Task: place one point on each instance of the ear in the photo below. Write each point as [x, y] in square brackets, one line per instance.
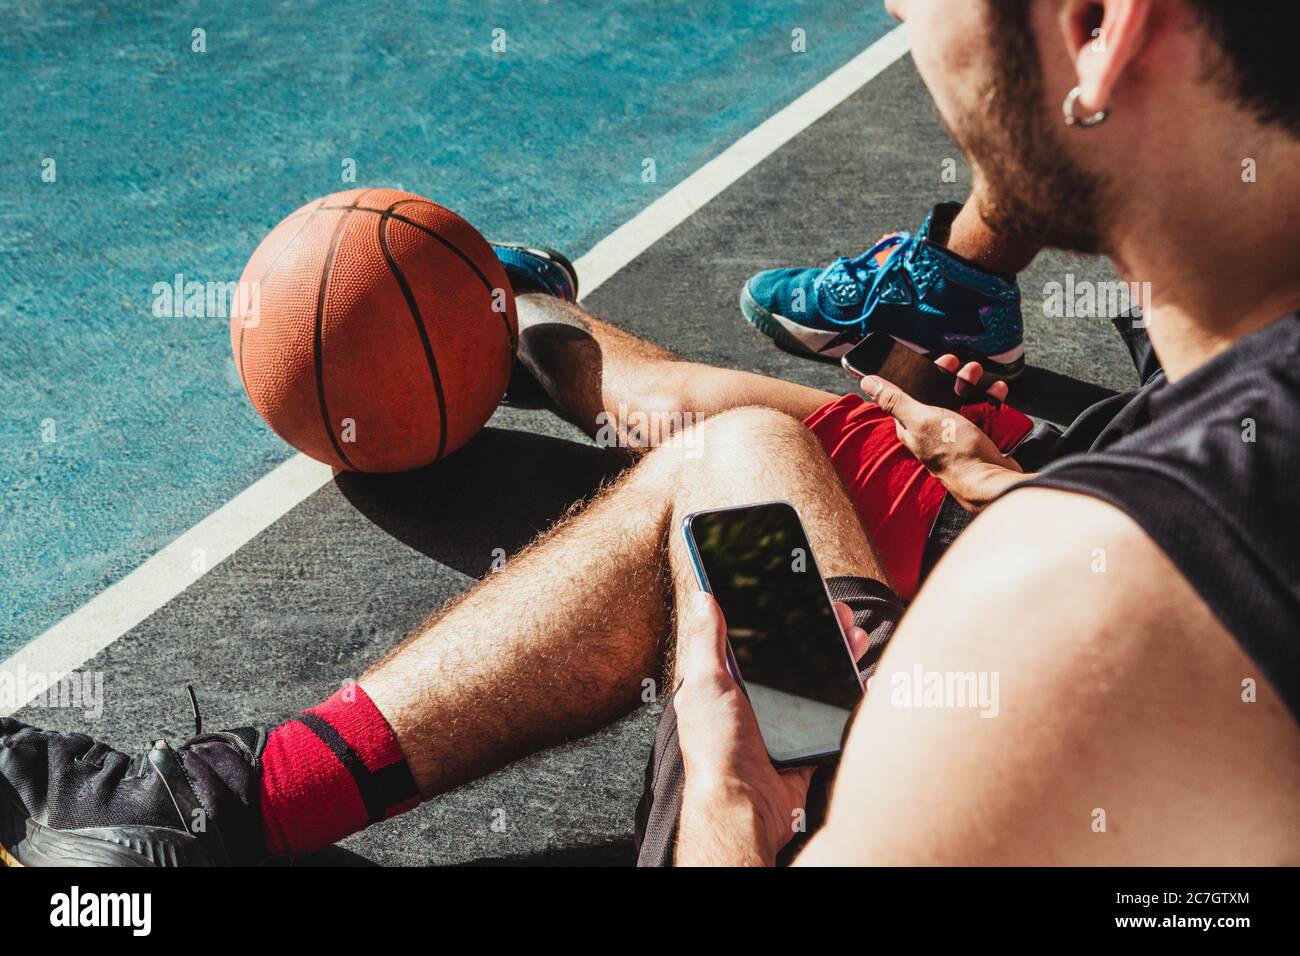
[1103, 37]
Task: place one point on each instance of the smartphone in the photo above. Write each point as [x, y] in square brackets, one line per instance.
[879, 353]
[785, 646]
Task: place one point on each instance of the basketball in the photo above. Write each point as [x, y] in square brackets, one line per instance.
[374, 330]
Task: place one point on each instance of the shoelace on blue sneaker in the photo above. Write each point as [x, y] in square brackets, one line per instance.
[898, 243]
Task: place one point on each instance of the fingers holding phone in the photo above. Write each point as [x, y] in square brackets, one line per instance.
[859, 640]
[952, 448]
[968, 380]
[945, 382]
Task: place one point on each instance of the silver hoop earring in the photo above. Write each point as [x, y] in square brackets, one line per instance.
[1084, 121]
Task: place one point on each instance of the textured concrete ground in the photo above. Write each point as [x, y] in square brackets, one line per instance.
[333, 585]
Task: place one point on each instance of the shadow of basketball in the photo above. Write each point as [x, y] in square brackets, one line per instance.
[486, 501]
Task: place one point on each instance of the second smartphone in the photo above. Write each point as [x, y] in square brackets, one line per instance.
[879, 353]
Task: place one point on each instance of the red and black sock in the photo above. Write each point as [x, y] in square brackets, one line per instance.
[331, 771]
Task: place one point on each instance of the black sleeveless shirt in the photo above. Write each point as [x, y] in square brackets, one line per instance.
[1209, 467]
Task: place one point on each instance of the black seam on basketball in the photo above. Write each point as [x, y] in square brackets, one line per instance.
[393, 205]
[364, 191]
[265, 272]
[487, 283]
[410, 200]
[505, 317]
[384, 220]
[317, 345]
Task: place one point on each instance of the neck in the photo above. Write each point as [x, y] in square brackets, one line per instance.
[1221, 259]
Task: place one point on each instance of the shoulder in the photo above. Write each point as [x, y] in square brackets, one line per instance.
[1055, 665]
[1051, 553]
[1064, 592]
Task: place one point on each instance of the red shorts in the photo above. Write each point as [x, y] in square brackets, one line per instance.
[895, 497]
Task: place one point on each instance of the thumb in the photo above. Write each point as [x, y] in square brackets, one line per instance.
[702, 638]
[803, 775]
[859, 640]
[893, 400]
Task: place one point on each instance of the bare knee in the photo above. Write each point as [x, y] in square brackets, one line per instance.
[753, 432]
[748, 446]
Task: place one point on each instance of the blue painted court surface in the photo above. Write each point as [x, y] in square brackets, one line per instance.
[121, 428]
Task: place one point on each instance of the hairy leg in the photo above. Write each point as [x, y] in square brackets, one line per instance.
[783, 460]
[561, 640]
[612, 384]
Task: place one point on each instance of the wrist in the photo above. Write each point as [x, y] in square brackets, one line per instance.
[721, 825]
[976, 485]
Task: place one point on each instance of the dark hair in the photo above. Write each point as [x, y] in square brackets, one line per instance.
[1259, 61]
[1260, 66]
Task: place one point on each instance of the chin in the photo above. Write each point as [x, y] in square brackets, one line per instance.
[1041, 209]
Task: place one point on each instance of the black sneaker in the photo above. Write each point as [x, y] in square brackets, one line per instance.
[66, 800]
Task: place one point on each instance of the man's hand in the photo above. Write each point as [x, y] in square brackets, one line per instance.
[737, 809]
[951, 447]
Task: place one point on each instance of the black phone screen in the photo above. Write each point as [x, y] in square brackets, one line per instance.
[792, 658]
[881, 354]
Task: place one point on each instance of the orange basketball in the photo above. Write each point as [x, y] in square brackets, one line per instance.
[374, 330]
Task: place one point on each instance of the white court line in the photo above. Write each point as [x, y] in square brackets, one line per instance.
[673, 208]
[84, 633]
[87, 631]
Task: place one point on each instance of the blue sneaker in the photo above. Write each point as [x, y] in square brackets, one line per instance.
[538, 269]
[534, 269]
[907, 285]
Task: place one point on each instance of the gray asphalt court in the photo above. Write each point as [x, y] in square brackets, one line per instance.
[328, 589]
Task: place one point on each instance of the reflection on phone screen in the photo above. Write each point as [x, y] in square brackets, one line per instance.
[786, 643]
